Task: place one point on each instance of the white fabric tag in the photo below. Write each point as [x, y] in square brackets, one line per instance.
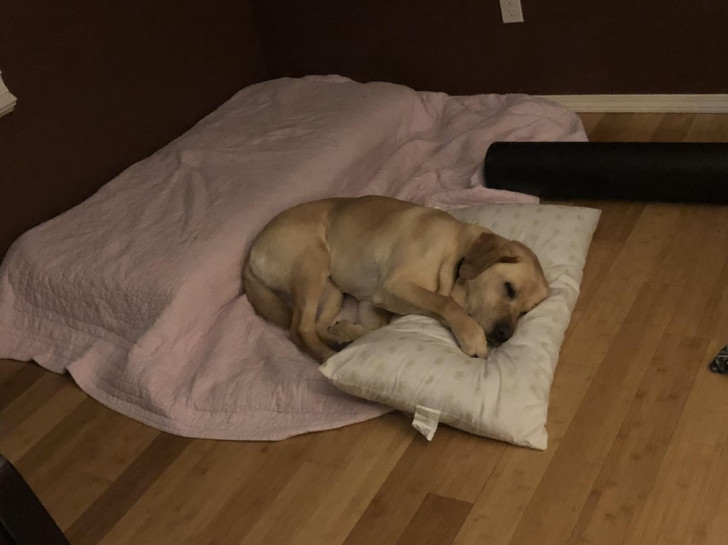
[426, 421]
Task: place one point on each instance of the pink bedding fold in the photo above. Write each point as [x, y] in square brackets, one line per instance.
[136, 292]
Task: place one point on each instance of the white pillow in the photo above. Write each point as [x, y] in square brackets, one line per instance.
[415, 365]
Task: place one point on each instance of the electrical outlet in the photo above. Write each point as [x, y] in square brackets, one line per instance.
[511, 11]
[7, 101]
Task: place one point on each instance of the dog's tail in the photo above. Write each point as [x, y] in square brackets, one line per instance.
[265, 301]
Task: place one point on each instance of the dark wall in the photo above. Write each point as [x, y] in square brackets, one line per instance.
[462, 46]
[102, 84]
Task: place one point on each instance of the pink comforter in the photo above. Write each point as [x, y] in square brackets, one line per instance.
[137, 291]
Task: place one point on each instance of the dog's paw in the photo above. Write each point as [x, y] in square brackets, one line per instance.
[477, 350]
[473, 342]
[346, 331]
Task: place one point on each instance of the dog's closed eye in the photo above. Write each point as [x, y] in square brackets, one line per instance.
[510, 290]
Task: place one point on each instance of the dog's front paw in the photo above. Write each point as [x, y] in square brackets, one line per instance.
[473, 342]
[476, 350]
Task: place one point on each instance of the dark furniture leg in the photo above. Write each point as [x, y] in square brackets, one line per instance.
[23, 519]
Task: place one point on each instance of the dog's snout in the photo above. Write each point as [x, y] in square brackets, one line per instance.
[502, 331]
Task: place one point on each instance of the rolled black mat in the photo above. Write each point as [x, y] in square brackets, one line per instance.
[672, 172]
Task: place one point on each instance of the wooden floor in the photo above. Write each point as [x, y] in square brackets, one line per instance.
[638, 450]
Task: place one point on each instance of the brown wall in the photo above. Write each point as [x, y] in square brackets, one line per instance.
[462, 46]
[102, 84]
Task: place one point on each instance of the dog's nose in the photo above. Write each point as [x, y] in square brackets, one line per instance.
[502, 331]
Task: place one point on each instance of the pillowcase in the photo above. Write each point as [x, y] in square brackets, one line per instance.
[415, 365]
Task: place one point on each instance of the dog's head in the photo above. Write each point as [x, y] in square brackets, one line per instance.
[499, 280]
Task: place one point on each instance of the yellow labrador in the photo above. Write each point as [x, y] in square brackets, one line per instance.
[393, 257]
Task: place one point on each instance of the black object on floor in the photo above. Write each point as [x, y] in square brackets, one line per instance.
[23, 519]
[719, 364]
[650, 171]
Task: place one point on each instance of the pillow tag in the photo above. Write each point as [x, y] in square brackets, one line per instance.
[426, 421]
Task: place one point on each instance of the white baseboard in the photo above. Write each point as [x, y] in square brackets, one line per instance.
[644, 103]
[7, 100]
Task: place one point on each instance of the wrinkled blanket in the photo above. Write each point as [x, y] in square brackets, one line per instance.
[136, 292]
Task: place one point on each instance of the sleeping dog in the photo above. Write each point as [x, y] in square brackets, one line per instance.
[394, 258]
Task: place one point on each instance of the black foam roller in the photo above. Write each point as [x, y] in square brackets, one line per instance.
[671, 172]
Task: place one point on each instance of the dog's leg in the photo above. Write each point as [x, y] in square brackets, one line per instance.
[402, 297]
[265, 301]
[370, 317]
[346, 331]
[328, 309]
[309, 283]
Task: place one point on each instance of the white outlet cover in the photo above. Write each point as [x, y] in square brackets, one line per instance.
[511, 11]
[7, 99]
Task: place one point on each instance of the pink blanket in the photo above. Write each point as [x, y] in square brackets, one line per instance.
[137, 291]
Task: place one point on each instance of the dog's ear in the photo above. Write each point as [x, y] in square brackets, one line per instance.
[487, 250]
